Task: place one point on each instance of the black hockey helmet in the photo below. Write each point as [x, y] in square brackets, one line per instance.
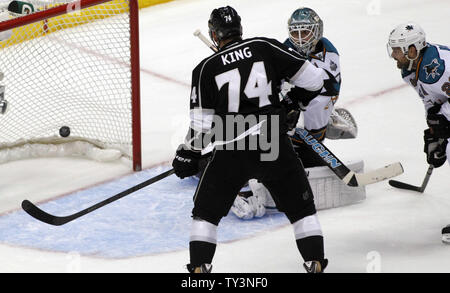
[225, 22]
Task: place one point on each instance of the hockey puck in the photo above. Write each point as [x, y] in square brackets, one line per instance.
[446, 234]
[64, 131]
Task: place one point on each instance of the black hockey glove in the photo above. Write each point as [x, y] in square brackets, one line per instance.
[435, 149]
[295, 101]
[186, 162]
[292, 111]
[302, 96]
[439, 125]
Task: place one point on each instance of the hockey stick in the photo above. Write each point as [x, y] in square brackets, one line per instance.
[343, 172]
[407, 186]
[43, 216]
[350, 177]
[202, 38]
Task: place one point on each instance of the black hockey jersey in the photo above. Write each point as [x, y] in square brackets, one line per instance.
[244, 79]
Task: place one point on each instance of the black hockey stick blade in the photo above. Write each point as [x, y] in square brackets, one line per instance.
[407, 186]
[401, 185]
[45, 217]
[39, 214]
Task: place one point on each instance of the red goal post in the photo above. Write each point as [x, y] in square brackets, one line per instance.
[75, 65]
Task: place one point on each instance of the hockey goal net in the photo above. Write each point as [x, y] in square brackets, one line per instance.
[73, 65]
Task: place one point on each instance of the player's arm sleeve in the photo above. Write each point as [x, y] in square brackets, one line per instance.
[307, 79]
[201, 113]
[309, 82]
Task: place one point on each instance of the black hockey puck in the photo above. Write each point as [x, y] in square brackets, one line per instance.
[64, 131]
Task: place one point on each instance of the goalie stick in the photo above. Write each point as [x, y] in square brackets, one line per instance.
[45, 217]
[407, 186]
[350, 177]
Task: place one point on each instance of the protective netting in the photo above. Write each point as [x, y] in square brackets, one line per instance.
[70, 70]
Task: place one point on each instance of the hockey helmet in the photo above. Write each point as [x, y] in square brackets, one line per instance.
[406, 35]
[306, 20]
[225, 22]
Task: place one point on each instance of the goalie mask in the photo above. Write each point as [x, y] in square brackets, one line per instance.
[404, 36]
[225, 23]
[305, 29]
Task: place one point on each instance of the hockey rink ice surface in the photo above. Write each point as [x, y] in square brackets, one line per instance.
[148, 231]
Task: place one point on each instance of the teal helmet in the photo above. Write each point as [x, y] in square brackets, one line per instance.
[305, 29]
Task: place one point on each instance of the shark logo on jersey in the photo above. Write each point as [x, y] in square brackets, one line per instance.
[432, 69]
[409, 27]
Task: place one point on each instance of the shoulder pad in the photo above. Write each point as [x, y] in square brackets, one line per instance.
[432, 66]
[328, 46]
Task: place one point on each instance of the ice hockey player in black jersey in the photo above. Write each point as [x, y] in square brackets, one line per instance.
[320, 118]
[235, 109]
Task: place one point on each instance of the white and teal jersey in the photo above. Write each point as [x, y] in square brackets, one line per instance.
[317, 114]
[327, 57]
[431, 79]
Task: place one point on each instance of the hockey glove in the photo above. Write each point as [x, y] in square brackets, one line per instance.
[294, 105]
[302, 96]
[292, 112]
[435, 149]
[186, 162]
[439, 125]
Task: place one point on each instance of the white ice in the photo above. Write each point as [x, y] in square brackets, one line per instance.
[391, 231]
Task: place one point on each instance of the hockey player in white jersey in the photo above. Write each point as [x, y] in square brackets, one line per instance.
[306, 37]
[321, 120]
[425, 67]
